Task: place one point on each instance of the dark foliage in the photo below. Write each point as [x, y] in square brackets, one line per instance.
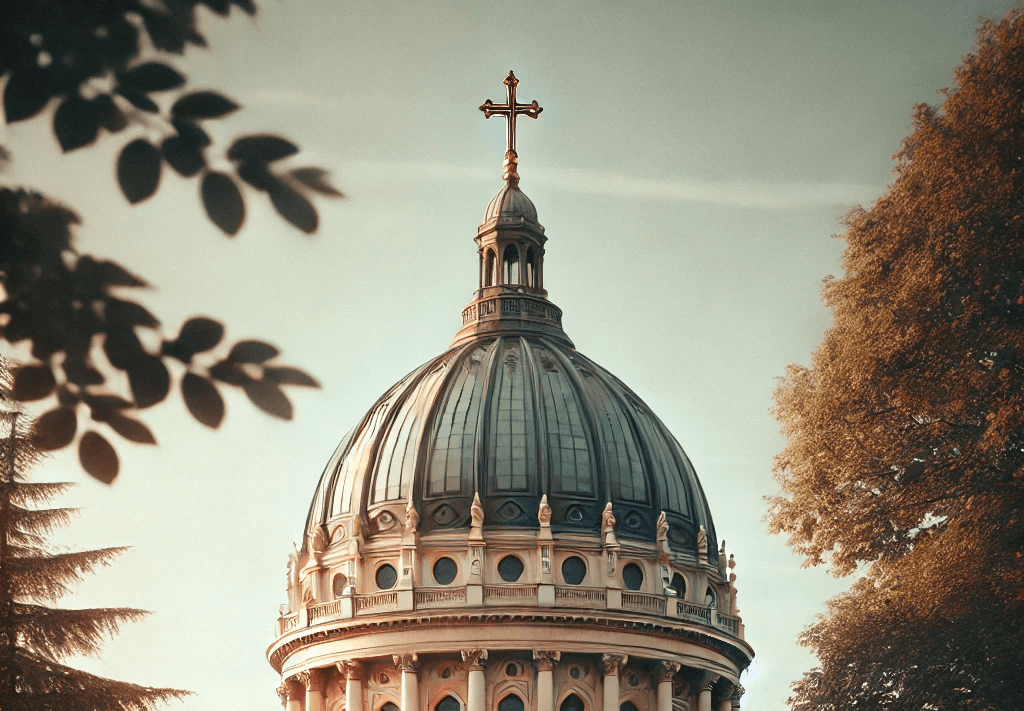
[102, 67]
[905, 455]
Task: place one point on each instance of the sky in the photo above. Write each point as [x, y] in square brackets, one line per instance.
[691, 166]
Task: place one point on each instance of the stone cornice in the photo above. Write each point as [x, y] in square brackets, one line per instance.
[737, 651]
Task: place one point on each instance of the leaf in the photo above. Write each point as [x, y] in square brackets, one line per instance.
[33, 382]
[107, 113]
[257, 175]
[197, 335]
[295, 208]
[79, 373]
[202, 400]
[130, 429]
[138, 170]
[129, 313]
[26, 93]
[113, 274]
[138, 99]
[153, 76]
[98, 458]
[286, 375]
[183, 156]
[269, 398]
[55, 429]
[230, 373]
[261, 149]
[316, 179]
[149, 380]
[191, 133]
[252, 351]
[223, 202]
[122, 347]
[75, 123]
[203, 105]
[221, 7]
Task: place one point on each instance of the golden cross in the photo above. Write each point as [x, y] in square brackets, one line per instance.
[510, 110]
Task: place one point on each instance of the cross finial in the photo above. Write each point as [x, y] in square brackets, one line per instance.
[510, 110]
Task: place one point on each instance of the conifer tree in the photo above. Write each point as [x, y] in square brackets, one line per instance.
[35, 637]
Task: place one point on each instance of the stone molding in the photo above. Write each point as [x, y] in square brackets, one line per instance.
[546, 661]
[312, 679]
[407, 662]
[475, 659]
[612, 663]
[665, 671]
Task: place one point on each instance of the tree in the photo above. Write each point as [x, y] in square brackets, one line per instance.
[904, 459]
[97, 64]
[35, 638]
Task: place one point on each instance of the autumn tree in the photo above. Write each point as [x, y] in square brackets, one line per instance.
[101, 71]
[904, 460]
[36, 638]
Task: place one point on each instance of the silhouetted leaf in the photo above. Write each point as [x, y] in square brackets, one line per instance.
[138, 99]
[286, 375]
[122, 347]
[55, 429]
[79, 373]
[257, 175]
[113, 274]
[261, 149]
[191, 132]
[315, 179]
[295, 208]
[223, 202]
[33, 382]
[269, 398]
[138, 170]
[184, 157]
[107, 113]
[252, 351]
[149, 380]
[129, 313]
[197, 335]
[203, 105]
[230, 373]
[130, 429]
[98, 458]
[248, 5]
[75, 123]
[26, 93]
[106, 402]
[152, 76]
[221, 7]
[202, 400]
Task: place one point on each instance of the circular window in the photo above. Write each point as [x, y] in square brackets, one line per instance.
[384, 679]
[512, 669]
[446, 673]
[573, 570]
[633, 680]
[575, 672]
[510, 568]
[445, 570]
[386, 576]
[678, 585]
[633, 576]
[340, 581]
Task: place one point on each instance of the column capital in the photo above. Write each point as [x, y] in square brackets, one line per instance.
[546, 661]
[312, 679]
[665, 671]
[475, 659]
[407, 662]
[737, 693]
[613, 663]
[350, 669]
[283, 693]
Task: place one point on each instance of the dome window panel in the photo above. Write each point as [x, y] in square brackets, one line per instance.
[569, 460]
[510, 568]
[633, 576]
[448, 703]
[386, 576]
[511, 270]
[511, 703]
[452, 459]
[445, 570]
[512, 453]
[574, 570]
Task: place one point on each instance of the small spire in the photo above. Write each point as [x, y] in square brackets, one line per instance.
[510, 109]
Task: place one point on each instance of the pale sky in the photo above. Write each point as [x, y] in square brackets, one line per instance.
[691, 164]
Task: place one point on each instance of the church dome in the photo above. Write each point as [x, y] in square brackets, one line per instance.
[511, 202]
[513, 417]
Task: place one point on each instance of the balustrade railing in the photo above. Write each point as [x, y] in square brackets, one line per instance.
[579, 597]
[289, 623]
[441, 597]
[728, 623]
[324, 611]
[376, 602]
[644, 602]
[701, 613]
[510, 594]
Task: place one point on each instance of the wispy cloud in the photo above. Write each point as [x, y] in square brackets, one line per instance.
[726, 193]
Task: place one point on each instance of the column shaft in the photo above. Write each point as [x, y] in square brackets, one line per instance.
[411, 690]
[611, 692]
[704, 700]
[314, 690]
[665, 695]
[546, 690]
[477, 692]
[354, 694]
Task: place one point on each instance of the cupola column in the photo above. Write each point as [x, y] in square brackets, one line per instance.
[313, 680]
[613, 664]
[353, 672]
[409, 666]
[546, 662]
[291, 692]
[475, 660]
[704, 692]
[663, 675]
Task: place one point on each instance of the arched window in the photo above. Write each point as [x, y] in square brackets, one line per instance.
[572, 703]
[491, 274]
[511, 265]
[511, 703]
[389, 707]
[628, 706]
[709, 596]
[531, 267]
[678, 585]
[448, 703]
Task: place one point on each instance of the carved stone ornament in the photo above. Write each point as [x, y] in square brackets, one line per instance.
[407, 662]
[662, 536]
[351, 669]
[475, 659]
[702, 545]
[665, 671]
[476, 514]
[546, 661]
[721, 559]
[612, 663]
[737, 692]
[608, 526]
[282, 693]
[412, 519]
[316, 541]
[312, 679]
[544, 512]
